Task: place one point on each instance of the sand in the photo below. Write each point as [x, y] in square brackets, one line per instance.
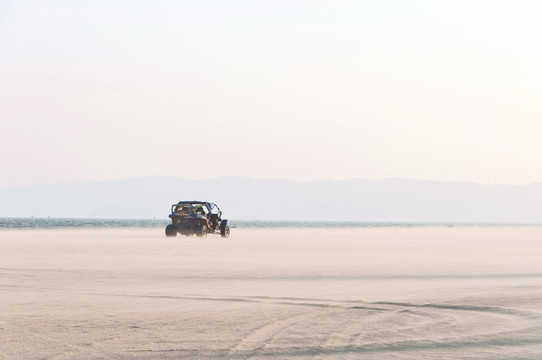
[372, 293]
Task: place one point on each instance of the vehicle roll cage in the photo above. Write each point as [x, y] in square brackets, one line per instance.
[208, 205]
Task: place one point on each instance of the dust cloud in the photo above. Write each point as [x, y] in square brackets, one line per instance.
[461, 292]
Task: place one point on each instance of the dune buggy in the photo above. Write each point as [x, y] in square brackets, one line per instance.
[196, 217]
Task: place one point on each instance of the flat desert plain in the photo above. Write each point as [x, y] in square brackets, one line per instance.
[358, 293]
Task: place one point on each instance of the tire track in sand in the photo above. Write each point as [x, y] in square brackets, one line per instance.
[259, 338]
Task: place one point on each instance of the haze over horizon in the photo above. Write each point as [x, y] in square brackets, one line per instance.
[305, 90]
[395, 200]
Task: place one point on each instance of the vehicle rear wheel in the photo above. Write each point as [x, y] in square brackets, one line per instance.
[225, 232]
[201, 231]
[170, 230]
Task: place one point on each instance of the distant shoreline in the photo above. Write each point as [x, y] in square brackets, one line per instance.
[28, 223]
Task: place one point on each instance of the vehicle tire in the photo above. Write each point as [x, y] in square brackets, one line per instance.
[201, 231]
[225, 232]
[170, 231]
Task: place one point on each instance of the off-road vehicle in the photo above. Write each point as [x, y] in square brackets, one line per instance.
[196, 217]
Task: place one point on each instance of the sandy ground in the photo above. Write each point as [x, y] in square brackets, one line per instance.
[373, 293]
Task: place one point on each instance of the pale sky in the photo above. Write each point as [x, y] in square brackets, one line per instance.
[302, 90]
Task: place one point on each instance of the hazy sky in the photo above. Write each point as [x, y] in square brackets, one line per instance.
[303, 90]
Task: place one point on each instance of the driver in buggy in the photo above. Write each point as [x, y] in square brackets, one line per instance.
[199, 210]
[182, 209]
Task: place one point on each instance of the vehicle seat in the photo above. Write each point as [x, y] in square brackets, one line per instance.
[213, 219]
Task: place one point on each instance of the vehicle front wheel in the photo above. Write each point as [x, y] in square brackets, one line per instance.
[225, 232]
[170, 230]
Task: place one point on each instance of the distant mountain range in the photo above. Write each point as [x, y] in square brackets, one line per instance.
[391, 199]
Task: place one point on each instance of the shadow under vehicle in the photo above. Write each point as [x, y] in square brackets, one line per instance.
[196, 217]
